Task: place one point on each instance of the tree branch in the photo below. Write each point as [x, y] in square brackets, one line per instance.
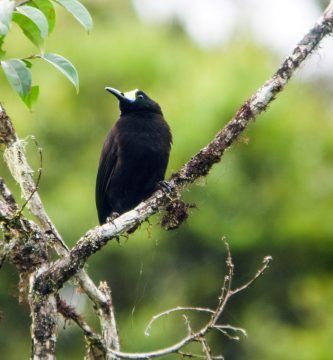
[25, 246]
[176, 309]
[23, 240]
[94, 340]
[17, 163]
[26, 249]
[212, 324]
[21, 171]
[108, 321]
[43, 310]
[198, 166]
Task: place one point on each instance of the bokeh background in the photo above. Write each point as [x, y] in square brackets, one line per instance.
[271, 194]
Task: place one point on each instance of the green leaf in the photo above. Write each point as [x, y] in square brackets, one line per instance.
[28, 63]
[80, 13]
[64, 66]
[37, 17]
[29, 28]
[6, 11]
[2, 52]
[31, 98]
[47, 8]
[18, 75]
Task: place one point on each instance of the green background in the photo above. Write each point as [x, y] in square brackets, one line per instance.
[270, 195]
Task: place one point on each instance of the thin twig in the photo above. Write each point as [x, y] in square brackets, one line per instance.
[198, 356]
[266, 261]
[108, 322]
[190, 332]
[20, 3]
[206, 349]
[69, 313]
[200, 334]
[232, 328]
[176, 309]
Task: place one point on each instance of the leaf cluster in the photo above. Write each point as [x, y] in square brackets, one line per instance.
[36, 19]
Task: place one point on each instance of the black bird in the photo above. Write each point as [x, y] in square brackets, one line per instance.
[134, 157]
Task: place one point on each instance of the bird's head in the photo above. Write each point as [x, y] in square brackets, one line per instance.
[135, 100]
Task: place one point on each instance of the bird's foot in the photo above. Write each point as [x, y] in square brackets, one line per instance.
[112, 217]
[165, 186]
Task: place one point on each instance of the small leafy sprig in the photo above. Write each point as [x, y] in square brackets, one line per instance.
[37, 19]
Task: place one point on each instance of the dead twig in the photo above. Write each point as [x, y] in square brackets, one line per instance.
[176, 309]
[200, 335]
[69, 313]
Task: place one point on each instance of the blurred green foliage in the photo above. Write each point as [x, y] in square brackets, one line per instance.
[271, 194]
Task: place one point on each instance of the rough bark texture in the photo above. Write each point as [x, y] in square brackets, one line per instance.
[7, 133]
[44, 320]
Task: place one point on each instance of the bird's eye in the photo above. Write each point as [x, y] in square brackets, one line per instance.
[140, 97]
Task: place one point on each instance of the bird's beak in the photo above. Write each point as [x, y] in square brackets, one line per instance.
[128, 96]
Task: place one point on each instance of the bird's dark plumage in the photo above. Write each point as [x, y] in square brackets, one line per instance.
[134, 157]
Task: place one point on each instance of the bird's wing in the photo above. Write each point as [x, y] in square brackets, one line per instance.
[107, 165]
